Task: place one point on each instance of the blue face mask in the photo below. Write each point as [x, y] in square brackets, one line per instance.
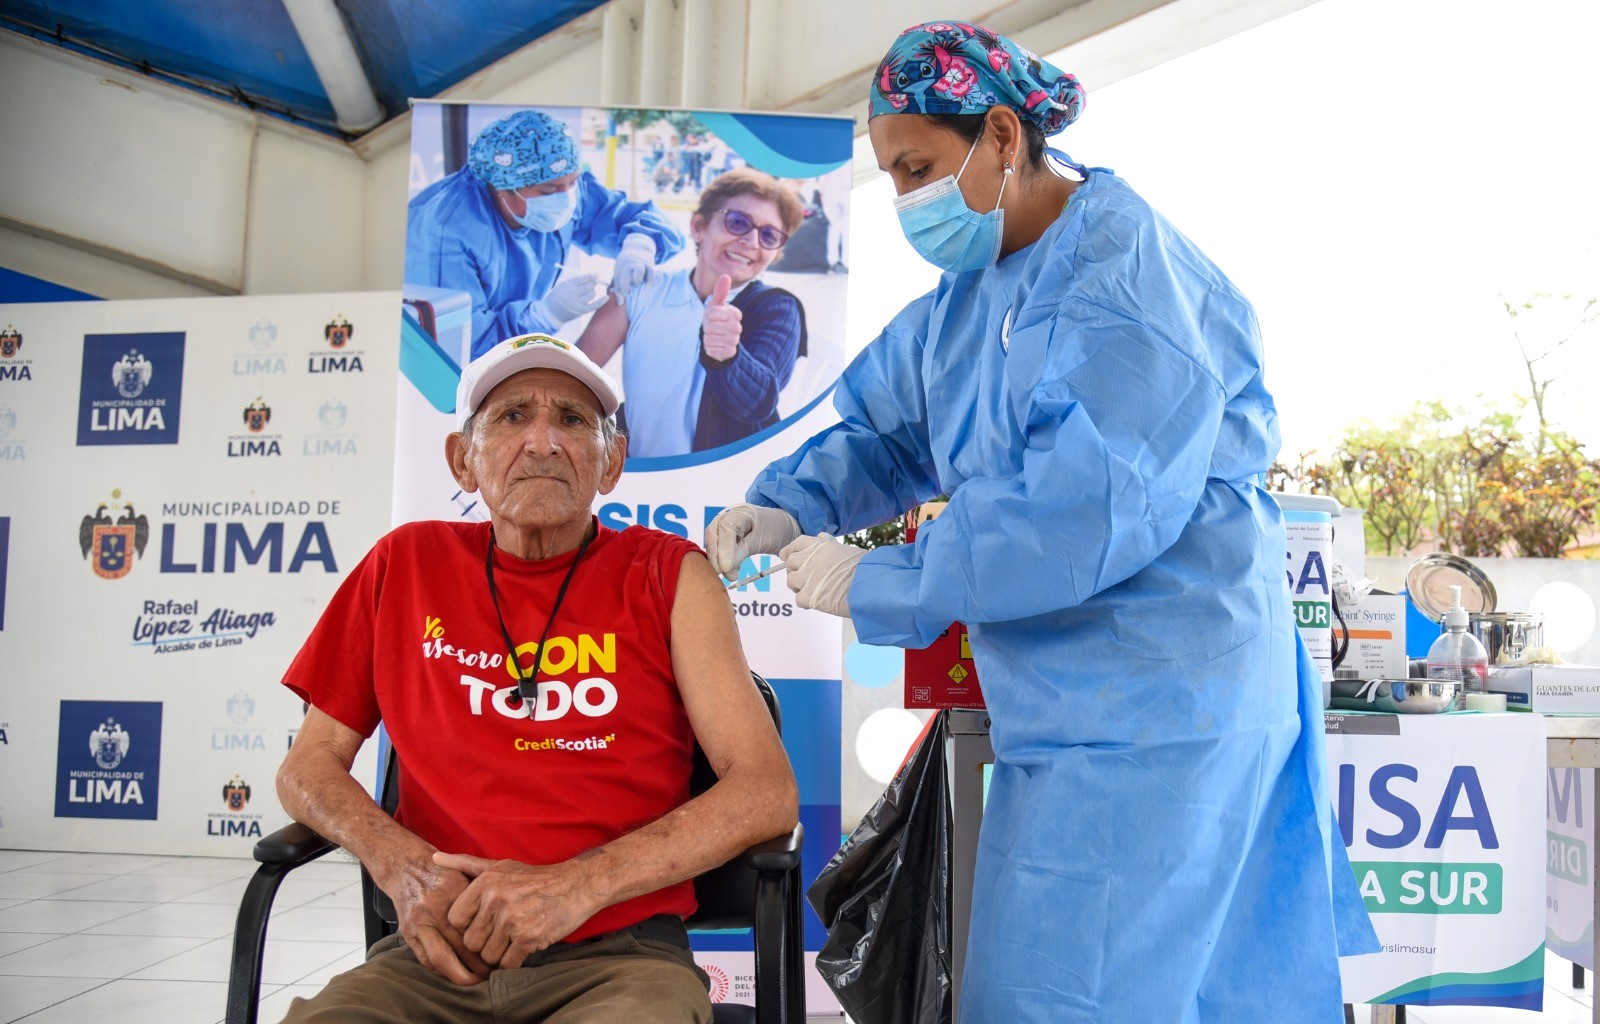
[548, 212]
[947, 232]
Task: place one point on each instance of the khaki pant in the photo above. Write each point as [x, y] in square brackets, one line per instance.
[615, 977]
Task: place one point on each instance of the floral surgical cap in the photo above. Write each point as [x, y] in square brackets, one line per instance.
[952, 67]
[527, 148]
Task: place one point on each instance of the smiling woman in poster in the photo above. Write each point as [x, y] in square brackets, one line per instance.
[708, 349]
[500, 228]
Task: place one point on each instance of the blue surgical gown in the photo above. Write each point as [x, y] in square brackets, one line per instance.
[1157, 844]
[455, 238]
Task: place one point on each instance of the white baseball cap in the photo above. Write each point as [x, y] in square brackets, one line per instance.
[527, 352]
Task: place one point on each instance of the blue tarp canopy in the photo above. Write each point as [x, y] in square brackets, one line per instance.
[249, 52]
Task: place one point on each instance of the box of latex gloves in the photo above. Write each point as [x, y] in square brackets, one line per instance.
[1548, 689]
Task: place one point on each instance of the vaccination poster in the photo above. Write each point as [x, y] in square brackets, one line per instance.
[622, 231]
[1448, 849]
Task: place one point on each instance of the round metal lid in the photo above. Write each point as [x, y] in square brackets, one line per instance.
[1430, 578]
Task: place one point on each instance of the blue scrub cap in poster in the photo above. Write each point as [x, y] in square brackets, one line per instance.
[527, 148]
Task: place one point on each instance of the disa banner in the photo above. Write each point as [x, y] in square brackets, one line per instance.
[1569, 806]
[1443, 823]
[620, 231]
[183, 484]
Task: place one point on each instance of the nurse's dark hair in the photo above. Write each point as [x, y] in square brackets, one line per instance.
[970, 126]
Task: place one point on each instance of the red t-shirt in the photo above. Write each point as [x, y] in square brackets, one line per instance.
[411, 638]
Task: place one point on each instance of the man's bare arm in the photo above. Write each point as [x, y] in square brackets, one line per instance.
[317, 789]
[513, 909]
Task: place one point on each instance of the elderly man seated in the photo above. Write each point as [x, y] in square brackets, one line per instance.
[544, 680]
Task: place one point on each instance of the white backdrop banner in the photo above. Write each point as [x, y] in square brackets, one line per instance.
[183, 483]
[1448, 850]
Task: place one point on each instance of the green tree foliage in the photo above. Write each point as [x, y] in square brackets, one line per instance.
[1543, 501]
[892, 532]
[1477, 487]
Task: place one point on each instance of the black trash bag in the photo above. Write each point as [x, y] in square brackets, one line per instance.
[885, 899]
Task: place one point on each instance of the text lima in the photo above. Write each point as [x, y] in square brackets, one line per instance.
[333, 364]
[237, 548]
[117, 417]
[103, 791]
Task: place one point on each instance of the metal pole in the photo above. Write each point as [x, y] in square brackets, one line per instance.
[970, 752]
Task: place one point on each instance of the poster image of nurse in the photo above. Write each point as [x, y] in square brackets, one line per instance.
[697, 256]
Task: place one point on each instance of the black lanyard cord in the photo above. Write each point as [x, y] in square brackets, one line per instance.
[528, 681]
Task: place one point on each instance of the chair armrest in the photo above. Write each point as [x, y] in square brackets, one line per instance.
[292, 845]
[776, 855]
[779, 937]
[279, 853]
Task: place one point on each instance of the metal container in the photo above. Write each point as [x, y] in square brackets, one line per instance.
[1430, 578]
[1417, 696]
[1506, 635]
[1396, 696]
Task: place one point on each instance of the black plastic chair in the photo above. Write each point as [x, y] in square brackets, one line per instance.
[760, 889]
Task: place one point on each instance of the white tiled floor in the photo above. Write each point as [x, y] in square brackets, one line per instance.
[140, 939]
[148, 939]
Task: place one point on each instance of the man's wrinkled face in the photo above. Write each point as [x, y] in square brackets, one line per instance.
[535, 451]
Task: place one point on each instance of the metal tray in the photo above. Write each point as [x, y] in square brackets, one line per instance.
[1430, 578]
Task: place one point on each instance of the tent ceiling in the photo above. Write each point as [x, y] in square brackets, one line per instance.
[250, 54]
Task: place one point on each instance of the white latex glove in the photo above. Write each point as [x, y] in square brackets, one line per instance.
[722, 324]
[820, 571]
[744, 530]
[573, 296]
[635, 263]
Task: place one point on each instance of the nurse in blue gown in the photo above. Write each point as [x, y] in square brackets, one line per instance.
[1087, 387]
[500, 228]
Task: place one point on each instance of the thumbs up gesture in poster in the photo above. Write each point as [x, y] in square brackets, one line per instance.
[719, 331]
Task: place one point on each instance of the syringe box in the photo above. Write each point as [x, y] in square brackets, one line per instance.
[1376, 627]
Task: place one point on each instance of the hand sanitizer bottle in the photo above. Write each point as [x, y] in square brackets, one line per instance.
[1457, 654]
